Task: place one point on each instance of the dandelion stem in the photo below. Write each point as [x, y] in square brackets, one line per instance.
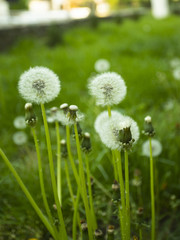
[59, 184]
[83, 184]
[127, 193]
[28, 195]
[121, 182]
[94, 222]
[152, 193]
[76, 215]
[109, 110]
[53, 179]
[114, 165]
[140, 233]
[41, 178]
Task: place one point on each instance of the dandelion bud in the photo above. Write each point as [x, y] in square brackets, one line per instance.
[73, 112]
[98, 234]
[84, 228]
[64, 107]
[125, 137]
[116, 192]
[64, 152]
[86, 143]
[148, 127]
[30, 117]
[110, 232]
[54, 109]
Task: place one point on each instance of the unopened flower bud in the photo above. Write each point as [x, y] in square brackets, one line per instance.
[73, 112]
[148, 127]
[63, 149]
[64, 107]
[98, 234]
[110, 232]
[30, 117]
[84, 228]
[86, 143]
[125, 137]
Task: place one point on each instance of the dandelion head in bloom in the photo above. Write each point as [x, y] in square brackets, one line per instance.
[111, 129]
[39, 85]
[19, 122]
[102, 65]
[156, 148]
[108, 88]
[176, 73]
[20, 138]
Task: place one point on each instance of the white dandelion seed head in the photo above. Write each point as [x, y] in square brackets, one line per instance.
[19, 122]
[108, 88]
[19, 138]
[65, 120]
[39, 85]
[148, 119]
[102, 65]
[156, 148]
[175, 62]
[109, 133]
[176, 73]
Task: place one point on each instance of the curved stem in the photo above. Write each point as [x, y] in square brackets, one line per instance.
[94, 222]
[41, 178]
[83, 184]
[53, 179]
[127, 193]
[59, 187]
[152, 192]
[28, 195]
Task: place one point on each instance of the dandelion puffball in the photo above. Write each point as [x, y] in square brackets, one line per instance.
[156, 148]
[108, 88]
[102, 65]
[19, 122]
[39, 85]
[19, 138]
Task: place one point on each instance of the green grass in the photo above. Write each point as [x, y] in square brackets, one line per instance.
[140, 51]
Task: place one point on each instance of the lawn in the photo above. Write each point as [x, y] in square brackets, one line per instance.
[141, 52]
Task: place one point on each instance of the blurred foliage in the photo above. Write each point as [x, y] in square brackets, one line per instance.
[141, 52]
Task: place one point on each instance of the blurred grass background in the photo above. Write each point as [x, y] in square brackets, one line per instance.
[141, 52]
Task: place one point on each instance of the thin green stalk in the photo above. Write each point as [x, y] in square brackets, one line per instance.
[127, 193]
[70, 154]
[53, 179]
[59, 184]
[121, 182]
[140, 233]
[94, 222]
[114, 165]
[76, 216]
[28, 195]
[109, 110]
[152, 193]
[41, 178]
[83, 184]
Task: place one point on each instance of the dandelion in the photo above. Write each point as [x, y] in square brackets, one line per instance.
[176, 73]
[175, 62]
[156, 148]
[19, 122]
[20, 138]
[113, 135]
[39, 85]
[108, 88]
[102, 65]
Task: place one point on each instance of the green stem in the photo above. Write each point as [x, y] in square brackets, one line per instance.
[94, 222]
[121, 182]
[59, 184]
[109, 110]
[140, 233]
[152, 192]
[53, 179]
[41, 178]
[127, 193]
[28, 195]
[114, 165]
[76, 216]
[83, 184]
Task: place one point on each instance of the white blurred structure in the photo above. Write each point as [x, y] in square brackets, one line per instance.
[160, 8]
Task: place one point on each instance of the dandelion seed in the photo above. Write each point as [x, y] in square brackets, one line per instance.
[102, 65]
[19, 122]
[108, 88]
[20, 138]
[156, 148]
[39, 85]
